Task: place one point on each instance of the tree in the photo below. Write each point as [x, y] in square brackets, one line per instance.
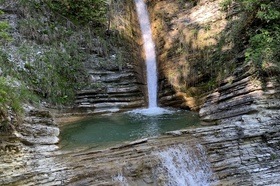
[264, 40]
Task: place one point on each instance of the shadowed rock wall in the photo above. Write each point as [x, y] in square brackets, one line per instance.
[242, 95]
[117, 88]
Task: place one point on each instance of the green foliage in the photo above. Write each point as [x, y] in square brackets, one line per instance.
[225, 4]
[264, 45]
[55, 74]
[58, 37]
[253, 26]
[13, 92]
[264, 40]
[268, 12]
[52, 67]
[274, 156]
[12, 96]
[83, 12]
[43, 32]
[4, 26]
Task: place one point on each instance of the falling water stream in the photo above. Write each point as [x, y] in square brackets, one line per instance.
[150, 59]
[183, 165]
[149, 50]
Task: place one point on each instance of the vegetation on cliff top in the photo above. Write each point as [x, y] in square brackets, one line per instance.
[264, 35]
[46, 48]
[255, 33]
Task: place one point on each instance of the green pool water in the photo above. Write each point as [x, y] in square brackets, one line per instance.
[105, 130]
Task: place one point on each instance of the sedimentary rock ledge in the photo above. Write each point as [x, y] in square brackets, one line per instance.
[238, 155]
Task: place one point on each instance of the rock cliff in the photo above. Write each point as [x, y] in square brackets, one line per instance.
[240, 95]
[200, 46]
[117, 86]
[113, 91]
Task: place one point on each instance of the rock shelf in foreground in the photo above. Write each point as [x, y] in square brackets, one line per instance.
[242, 153]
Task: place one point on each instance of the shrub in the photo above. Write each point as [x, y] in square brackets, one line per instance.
[4, 26]
[54, 74]
[264, 40]
[12, 95]
[83, 12]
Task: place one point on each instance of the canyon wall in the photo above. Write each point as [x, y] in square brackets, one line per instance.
[186, 34]
[118, 87]
[201, 49]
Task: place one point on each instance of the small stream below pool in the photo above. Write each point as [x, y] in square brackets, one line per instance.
[102, 131]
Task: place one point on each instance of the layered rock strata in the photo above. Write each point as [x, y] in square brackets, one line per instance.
[38, 129]
[242, 150]
[185, 34]
[113, 91]
[242, 153]
[242, 95]
[119, 84]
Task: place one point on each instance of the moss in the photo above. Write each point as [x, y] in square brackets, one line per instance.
[274, 156]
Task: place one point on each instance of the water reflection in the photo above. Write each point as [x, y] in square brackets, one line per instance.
[108, 130]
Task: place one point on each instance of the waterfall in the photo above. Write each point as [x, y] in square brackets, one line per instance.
[185, 166]
[151, 65]
[149, 50]
[179, 165]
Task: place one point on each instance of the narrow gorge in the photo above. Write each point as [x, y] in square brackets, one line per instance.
[205, 67]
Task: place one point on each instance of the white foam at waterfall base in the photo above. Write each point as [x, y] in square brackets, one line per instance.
[120, 179]
[185, 166]
[151, 111]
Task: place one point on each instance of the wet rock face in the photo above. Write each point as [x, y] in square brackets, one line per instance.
[184, 32]
[242, 150]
